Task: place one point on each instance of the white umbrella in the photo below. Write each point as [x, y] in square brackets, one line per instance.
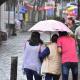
[50, 26]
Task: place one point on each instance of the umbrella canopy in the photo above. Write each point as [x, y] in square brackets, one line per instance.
[71, 4]
[50, 26]
[72, 8]
[22, 9]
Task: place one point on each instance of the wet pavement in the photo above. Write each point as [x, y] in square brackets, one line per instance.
[14, 47]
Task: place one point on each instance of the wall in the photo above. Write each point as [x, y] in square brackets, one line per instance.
[0, 17]
[3, 26]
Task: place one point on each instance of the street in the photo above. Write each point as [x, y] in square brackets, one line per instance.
[14, 47]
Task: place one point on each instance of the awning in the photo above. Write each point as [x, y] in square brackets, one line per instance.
[38, 8]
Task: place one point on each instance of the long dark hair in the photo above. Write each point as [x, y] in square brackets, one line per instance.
[63, 33]
[54, 38]
[35, 39]
[70, 18]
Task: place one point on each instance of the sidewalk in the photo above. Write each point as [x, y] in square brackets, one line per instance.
[11, 48]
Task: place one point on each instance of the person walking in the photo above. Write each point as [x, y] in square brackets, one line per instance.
[69, 58]
[70, 22]
[51, 63]
[77, 34]
[31, 62]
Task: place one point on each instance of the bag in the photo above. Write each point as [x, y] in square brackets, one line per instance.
[3, 36]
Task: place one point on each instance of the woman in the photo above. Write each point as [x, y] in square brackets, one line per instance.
[71, 24]
[77, 34]
[67, 48]
[51, 63]
[31, 62]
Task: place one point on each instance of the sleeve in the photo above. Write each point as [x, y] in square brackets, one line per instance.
[76, 31]
[44, 53]
[59, 42]
[76, 42]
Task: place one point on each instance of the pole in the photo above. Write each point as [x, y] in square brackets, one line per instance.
[55, 8]
[78, 10]
[33, 13]
[8, 18]
[0, 17]
[45, 13]
[14, 29]
[61, 8]
[40, 4]
[0, 26]
[14, 62]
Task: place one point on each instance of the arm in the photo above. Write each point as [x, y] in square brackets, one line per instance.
[59, 45]
[44, 53]
[76, 33]
[59, 50]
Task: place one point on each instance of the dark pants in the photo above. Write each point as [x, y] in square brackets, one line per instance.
[21, 23]
[52, 77]
[65, 70]
[31, 73]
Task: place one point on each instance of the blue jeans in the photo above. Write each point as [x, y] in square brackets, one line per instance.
[52, 77]
[30, 73]
[65, 70]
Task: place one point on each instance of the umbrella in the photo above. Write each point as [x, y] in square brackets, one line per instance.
[50, 26]
[22, 9]
[71, 4]
[72, 8]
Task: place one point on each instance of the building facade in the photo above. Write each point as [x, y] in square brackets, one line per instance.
[7, 16]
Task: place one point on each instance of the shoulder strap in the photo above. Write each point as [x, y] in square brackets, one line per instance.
[39, 48]
[25, 44]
